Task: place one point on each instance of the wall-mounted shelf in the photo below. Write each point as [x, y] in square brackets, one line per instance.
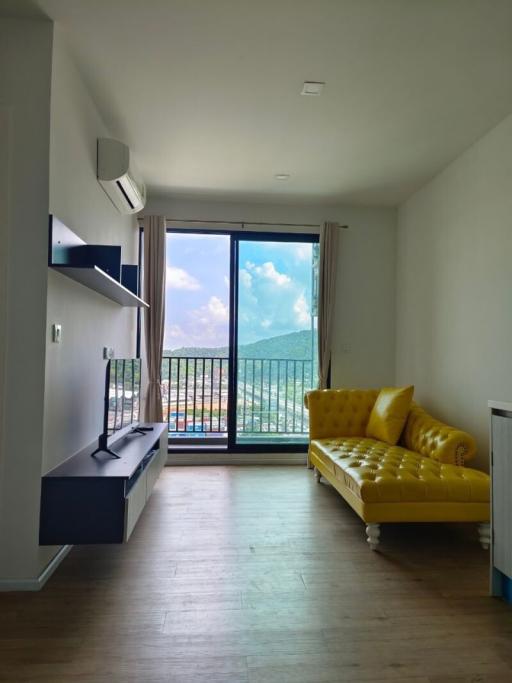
[98, 267]
[96, 279]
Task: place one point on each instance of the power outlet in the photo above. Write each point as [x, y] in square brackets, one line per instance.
[56, 333]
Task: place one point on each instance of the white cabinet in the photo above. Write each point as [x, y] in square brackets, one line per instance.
[134, 504]
[501, 505]
[143, 487]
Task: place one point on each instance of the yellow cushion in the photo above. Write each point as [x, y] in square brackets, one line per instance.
[389, 414]
[378, 473]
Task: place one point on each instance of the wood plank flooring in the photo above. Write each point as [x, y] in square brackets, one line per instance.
[259, 575]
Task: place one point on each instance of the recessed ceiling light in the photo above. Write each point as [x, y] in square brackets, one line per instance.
[312, 88]
[282, 176]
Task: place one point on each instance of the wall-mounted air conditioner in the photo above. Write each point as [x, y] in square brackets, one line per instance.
[119, 177]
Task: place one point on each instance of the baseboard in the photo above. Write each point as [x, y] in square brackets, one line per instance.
[38, 582]
[236, 459]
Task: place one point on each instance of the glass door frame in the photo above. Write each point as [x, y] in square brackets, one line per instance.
[236, 236]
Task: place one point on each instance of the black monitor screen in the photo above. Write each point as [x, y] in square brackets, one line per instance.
[123, 381]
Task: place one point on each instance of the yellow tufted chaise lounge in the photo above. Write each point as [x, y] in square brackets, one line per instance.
[422, 479]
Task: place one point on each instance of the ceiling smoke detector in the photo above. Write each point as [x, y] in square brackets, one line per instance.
[282, 176]
[312, 88]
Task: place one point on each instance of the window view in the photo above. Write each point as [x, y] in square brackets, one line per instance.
[276, 340]
[275, 332]
[196, 338]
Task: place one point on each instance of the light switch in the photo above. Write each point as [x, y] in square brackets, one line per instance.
[108, 352]
[57, 333]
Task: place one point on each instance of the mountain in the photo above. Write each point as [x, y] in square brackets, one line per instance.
[292, 346]
[198, 352]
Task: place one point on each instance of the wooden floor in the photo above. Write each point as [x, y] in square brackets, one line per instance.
[258, 574]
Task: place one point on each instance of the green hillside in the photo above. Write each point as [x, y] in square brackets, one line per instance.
[293, 346]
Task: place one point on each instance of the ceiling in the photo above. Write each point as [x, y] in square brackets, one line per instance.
[207, 92]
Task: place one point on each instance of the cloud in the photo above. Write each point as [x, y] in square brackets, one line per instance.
[218, 310]
[268, 271]
[177, 278]
[174, 331]
[267, 310]
[245, 278]
[301, 310]
[207, 325]
[274, 297]
[174, 337]
[303, 251]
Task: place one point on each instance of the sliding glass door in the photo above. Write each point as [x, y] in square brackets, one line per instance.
[240, 346]
[195, 364]
[276, 340]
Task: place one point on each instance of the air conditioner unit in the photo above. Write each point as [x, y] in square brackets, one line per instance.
[119, 177]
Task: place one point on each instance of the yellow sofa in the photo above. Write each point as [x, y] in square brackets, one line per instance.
[421, 479]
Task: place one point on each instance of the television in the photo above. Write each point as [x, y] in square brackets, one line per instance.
[121, 403]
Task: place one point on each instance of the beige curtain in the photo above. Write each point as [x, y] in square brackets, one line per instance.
[328, 266]
[154, 294]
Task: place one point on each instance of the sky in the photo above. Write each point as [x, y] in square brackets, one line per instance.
[274, 290]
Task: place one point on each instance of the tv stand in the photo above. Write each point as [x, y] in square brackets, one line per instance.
[105, 450]
[99, 500]
[138, 430]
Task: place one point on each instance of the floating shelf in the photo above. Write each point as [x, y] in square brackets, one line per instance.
[97, 267]
[96, 279]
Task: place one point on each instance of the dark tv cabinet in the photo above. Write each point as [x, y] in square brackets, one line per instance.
[99, 500]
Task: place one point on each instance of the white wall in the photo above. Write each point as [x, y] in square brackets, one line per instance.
[54, 393]
[365, 316]
[25, 56]
[454, 280]
[75, 369]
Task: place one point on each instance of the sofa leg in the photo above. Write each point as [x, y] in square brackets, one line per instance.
[318, 474]
[484, 534]
[373, 535]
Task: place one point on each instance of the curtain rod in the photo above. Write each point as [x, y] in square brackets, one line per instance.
[243, 223]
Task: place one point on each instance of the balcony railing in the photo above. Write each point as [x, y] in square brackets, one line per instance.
[270, 396]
